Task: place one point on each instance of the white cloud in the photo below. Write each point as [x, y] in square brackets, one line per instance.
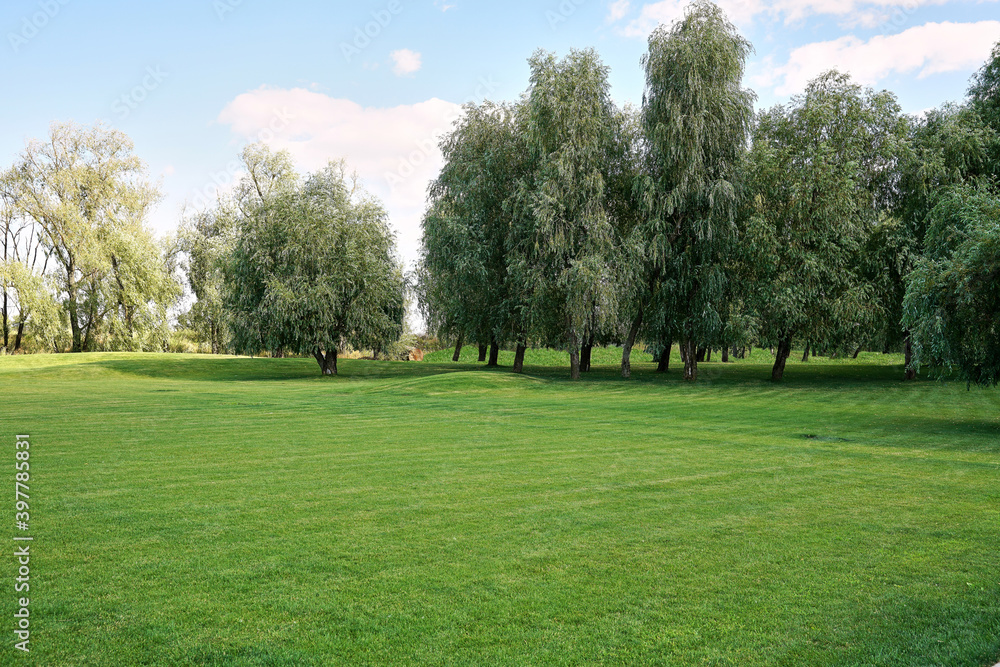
[394, 150]
[851, 13]
[406, 62]
[933, 48]
[443, 5]
[618, 10]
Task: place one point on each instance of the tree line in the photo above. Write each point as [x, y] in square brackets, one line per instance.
[834, 222]
[283, 264]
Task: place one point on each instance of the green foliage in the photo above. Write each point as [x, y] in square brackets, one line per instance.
[571, 125]
[466, 289]
[696, 121]
[88, 196]
[984, 93]
[947, 147]
[205, 241]
[823, 170]
[953, 298]
[312, 270]
[32, 296]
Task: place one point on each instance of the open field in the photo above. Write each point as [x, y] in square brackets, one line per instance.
[221, 511]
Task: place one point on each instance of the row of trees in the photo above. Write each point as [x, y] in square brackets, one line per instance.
[835, 221]
[283, 264]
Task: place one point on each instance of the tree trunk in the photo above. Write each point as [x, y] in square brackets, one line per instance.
[458, 348]
[574, 349]
[663, 364]
[74, 315]
[574, 362]
[911, 372]
[780, 357]
[690, 360]
[857, 352]
[519, 358]
[725, 355]
[327, 362]
[805, 355]
[708, 355]
[699, 354]
[633, 333]
[6, 323]
[483, 351]
[494, 355]
[586, 354]
[19, 338]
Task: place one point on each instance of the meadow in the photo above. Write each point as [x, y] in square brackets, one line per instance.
[195, 510]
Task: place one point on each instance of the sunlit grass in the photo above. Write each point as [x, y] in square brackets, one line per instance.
[199, 510]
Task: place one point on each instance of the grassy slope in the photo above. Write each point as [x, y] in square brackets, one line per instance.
[194, 510]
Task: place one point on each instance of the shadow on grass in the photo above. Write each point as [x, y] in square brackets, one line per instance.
[246, 369]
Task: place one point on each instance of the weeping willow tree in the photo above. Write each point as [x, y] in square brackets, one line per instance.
[953, 294]
[571, 127]
[314, 269]
[822, 167]
[696, 121]
[466, 287]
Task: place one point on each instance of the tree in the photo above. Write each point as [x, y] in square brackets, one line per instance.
[952, 302]
[89, 197]
[31, 295]
[984, 93]
[947, 147]
[822, 167]
[466, 242]
[696, 121]
[205, 240]
[313, 269]
[570, 124]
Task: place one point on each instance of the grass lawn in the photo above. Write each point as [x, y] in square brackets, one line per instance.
[222, 511]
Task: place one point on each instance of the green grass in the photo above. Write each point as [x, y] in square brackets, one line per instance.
[222, 511]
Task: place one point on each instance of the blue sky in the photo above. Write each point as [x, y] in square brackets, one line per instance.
[192, 81]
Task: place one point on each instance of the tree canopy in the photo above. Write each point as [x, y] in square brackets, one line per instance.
[313, 269]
